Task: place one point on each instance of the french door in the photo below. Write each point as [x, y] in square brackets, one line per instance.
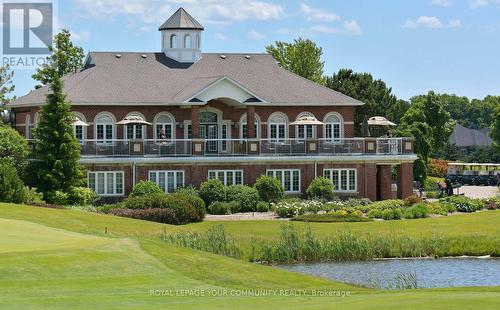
[210, 132]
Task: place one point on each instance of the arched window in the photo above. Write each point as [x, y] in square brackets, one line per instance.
[334, 127]
[244, 128]
[164, 126]
[134, 131]
[198, 41]
[208, 117]
[27, 130]
[305, 131]
[104, 127]
[187, 41]
[80, 131]
[173, 41]
[277, 126]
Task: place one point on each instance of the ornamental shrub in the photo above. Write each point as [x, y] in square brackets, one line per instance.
[187, 208]
[270, 189]
[247, 197]
[188, 190]
[58, 198]
[416, 211]
[387, 204]
[321, 188]
[292, 207]
[160, 215]
[437, 208]
[14, 148]
[11, 187]
[262, 206]
[223, 207]
[375, 214]
[144, 188]
[392, 214]
[463, 204]
[212, 190]
[82, 196]
[411, 200]
[32, 196]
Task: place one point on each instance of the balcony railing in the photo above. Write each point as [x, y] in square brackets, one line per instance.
[246, 147]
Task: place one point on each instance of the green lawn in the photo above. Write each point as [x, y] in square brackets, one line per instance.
[61, 259]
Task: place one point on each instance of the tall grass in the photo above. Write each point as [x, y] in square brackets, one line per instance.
[295, 246]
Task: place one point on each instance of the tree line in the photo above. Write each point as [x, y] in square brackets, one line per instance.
[429, 118]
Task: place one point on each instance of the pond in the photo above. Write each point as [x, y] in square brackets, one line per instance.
[408, 273]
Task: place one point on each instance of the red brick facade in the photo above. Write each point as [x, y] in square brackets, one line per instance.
[373, 178]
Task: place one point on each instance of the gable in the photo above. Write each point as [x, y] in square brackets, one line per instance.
[225, 88]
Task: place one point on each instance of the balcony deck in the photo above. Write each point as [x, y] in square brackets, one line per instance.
[246, 147]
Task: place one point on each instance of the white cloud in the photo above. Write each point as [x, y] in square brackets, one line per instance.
[349, 27]
[255, 35]
[157, 11]
[430, 22]
[442, 2]
[478, 3]
[220, 36]
[317, 15]
[81, 35]
[352, 27]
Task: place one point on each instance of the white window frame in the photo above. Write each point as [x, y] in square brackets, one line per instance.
[80, 117]
[328, 173]
[280, 175]
[173, 43]
[223, 176]
[340, 123]
[95, 174]
[163, 125]
[154, 176]
[297, 127]
[112, 123]
[272, 123]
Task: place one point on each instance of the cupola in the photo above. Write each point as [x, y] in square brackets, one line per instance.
[181, 37]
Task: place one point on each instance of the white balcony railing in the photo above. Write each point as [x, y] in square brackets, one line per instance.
[245, 147]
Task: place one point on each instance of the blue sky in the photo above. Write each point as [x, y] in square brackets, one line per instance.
[448, 46]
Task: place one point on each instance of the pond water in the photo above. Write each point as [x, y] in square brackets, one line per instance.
[400, 273]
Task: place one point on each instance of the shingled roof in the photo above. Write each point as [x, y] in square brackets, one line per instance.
[154, 79]
[181, 20]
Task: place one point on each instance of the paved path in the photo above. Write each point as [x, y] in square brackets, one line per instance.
[479, 191]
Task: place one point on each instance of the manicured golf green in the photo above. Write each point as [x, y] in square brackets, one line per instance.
[62, 259]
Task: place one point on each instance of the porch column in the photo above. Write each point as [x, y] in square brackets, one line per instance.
[253, 146]
[405, 180]
[371, 181]
[195, 121]
[251, 134]
[384, 182]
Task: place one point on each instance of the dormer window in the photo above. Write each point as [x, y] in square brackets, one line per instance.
[173, 41]
[187, 41]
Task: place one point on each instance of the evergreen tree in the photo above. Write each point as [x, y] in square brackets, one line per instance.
[65, 56]
[55, 165]
[495, 129]
[377, 97]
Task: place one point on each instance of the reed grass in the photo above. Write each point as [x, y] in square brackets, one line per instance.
[294, 246]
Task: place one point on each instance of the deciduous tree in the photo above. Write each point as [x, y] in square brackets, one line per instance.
[302, 57]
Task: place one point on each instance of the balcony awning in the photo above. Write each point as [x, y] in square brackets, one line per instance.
[306, 120]
[133, 120]
[379, 121]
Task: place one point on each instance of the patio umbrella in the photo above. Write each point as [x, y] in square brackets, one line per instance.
[306, 120]
[133, 120]
[379, 121]
[78, 122]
